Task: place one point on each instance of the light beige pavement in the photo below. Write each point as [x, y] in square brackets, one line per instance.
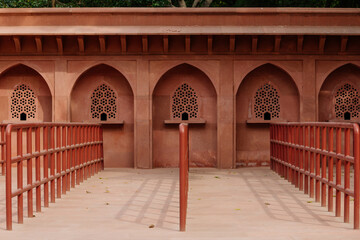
[246, 203]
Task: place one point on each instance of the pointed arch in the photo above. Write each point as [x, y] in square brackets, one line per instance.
[338, 96]
[29, 96]
[176, 66]
[276, 67]
[32, 67]
[102, 93]
[184, 93]
[98, 65]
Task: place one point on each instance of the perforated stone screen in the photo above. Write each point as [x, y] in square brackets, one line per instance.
[23, 103]
[347, 103]
[103, 103]
[266, 102]
[184, 103]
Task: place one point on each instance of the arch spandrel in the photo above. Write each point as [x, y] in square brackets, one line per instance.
[326, 68]
[38, 66]
[159, 69]
[82, 67]
[249, 66]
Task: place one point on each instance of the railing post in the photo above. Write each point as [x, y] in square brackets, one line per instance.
[356, 175]
[8, 179]
[184, 168]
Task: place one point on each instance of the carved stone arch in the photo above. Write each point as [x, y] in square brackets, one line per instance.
[31, 66]
[118, 129]
[275, 65]
[95, 65]
[175, 65]
[251, 150]
[24, 81]
[332, 106]
[204, 147]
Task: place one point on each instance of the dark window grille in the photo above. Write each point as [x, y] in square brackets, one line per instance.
[184, 103]
[103, 103]
[23, 103]
[347, 102]
[266, 102]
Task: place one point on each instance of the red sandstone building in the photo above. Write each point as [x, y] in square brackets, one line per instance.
[140, 72]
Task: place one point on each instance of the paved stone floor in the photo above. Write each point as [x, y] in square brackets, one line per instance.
[246, 203]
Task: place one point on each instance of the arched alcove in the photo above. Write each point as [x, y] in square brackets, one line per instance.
[266, 94]
[339, 98]
[103, 95]
[184, 83]
[25, 96]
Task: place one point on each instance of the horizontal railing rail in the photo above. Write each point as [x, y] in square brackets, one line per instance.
[184, 173]
[306, 153]
[65, 154]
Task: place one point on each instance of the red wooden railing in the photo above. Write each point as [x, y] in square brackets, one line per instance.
[306, 154]
[184, 173]
[2, 148]
[70, 153]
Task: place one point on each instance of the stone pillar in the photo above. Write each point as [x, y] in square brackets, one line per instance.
[143, 157]
[61, 98]
[226, 113]
[308, 98]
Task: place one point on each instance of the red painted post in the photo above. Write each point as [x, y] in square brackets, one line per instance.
[331, 171]
[296, 159]
[306, 163]
[73, 155]
[52, 164]
[184, 168]
[29, 172]
[338, 173]
[68, 157]
[347, 177]
[78, 151]
[356, 143]
[8, 179]
[3, 149]
[20, 176]
[301, 159]
[58, 162]
[46, 165]
[312, 161]
[64, 160]
[323, 167]
[37, 169]
[317, 165]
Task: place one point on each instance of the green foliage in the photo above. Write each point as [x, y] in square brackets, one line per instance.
[166, 3]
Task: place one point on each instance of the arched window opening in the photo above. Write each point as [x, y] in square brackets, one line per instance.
[267, 116]
[103, 117]
[266, 102]
[347, 102]
[347, 116]
[103, 103]
[185, 103]
[23, 103]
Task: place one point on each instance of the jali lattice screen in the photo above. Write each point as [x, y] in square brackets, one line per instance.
[347, 104]
[266, 102]
[103, 103]
[23, 103]
[185, 103]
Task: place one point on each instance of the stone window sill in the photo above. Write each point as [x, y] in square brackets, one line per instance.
[260, 121]
[192, 121]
